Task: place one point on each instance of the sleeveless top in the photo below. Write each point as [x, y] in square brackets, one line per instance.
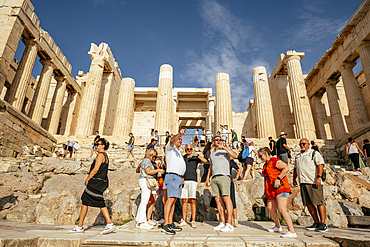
[102, 174]
[272, 172]
[352, 149]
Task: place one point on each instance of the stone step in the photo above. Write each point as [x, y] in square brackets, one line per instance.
[358, 220]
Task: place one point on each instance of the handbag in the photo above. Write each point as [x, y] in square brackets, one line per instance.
[150, 182]
[281, 182]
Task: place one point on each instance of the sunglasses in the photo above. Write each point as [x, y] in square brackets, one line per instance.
[155, 157]
[97, 144]
[260, 156]
[302, 144]
[189, 149]
[217, 140]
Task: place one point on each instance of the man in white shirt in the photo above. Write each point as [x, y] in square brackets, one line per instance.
[176, 168]
[209, 136]
[224, 133]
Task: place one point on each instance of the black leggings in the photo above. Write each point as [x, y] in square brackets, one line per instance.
[355, 158]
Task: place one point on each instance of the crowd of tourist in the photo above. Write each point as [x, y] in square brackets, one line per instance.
[175, 175]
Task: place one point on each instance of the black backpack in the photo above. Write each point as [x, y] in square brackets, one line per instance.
[240, 157]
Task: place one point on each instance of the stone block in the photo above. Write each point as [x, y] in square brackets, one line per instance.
[358, 220]
[18, 128]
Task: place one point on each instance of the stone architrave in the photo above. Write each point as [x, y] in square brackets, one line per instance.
[223, 108]
[163, 114]
[41, 93]
[56, 105]
[90, 98]
[305, 126]
[356, 105]
[337, 120]
[17, 91]
[125, 108]
[262, 102]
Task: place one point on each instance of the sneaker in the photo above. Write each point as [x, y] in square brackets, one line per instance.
[275, 229]
[193, 224]
[322, 228]
[219, 227]
[160, 222]
[227, 228]
[236, 223]
[168, 230]
[152, 222]
[137, 225]
[182, 223]
[145, 226]
[313, 227]
[289, 235]
[77, 230]
[175, 228]
[109, 228]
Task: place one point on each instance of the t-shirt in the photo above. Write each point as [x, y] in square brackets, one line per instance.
[150, 146]
[220, 160]
[130, 142]
[233, 165]
[174, 160]
[191, 168]
[367, 148]
[251, 153]
[209, 133]
[279, 146]
[316, 148]
[273, 149]
[96, 138]
[242, 145]
[234, 137]
[71, 144]
[146, 163]
[167, 138]
[202, 138]
[306, 167]
[224, 132]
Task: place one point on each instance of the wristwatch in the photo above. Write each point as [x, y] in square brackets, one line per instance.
[278, 178]
[318, 176]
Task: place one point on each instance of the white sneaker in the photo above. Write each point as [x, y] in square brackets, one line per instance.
[275, 229]
[193, 224]
[227, 228]
[145, 226]
[182, 223]
[152, 222]
[161, 221]
[137, 225]
[109, 228]
[289, 235]
[77, 230]
[219, 227]
[236, 223]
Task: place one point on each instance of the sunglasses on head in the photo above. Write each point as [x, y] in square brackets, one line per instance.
[189, 149]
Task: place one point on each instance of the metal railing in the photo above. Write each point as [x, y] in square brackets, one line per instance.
[190, 138]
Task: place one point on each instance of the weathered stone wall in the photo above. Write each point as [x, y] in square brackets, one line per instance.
[14, 127]
[364, 86]
[242, 122]
[143, 123]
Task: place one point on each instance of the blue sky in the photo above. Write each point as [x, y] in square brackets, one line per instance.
[199, 38]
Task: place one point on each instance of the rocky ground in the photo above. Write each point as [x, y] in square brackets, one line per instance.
[48, 190]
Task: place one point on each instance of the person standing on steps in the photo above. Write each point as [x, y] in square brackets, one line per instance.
[207, 155]
[130, 149]
[282, 148]
[352, 152]
[96, 183]
[308, 168]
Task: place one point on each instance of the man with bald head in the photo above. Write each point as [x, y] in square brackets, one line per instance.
[308, 168]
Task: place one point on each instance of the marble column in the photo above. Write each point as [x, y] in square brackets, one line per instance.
[364, 51]
[356, 105]
[223, 108]
[17, 91]
[52, 122]
[2, 79]
[175, 128]
[41, 92]
[337, 120]
[90, 97]
[305, 127]
[211, 113]
[125, 108]
[262, 102]
[163, 111]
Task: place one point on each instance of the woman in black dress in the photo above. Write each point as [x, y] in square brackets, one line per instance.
[96, 183]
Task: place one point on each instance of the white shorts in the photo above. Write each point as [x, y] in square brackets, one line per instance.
[189, 190]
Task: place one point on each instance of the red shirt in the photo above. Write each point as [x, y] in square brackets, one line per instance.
[272, 172]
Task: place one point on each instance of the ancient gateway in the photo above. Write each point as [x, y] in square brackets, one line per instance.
[330, 103]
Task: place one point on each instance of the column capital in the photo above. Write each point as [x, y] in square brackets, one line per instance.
[94, 57]
[28, 41]
[346, 65]
[362, 45]
[47, 62]
[59, 78]
[289, 55]
[331, 82]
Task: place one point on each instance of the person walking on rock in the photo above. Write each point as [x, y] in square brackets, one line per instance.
[234, 139]
[189, 191]
[221, 180]
[277, 191]
[308, 168]
[176, 168]
[352, 152]
[282, 148]
[130, 147]
[96, 183]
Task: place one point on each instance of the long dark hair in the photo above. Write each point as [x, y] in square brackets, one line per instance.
[104, 142]
[207, 147]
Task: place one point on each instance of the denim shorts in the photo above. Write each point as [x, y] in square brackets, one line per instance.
[174, 185]
[284, 194]
[130, 148]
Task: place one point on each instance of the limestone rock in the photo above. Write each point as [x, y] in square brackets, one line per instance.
[350, 208]
[352, 187]
[335, 215]
[19, 182]
[68, 167]
[364, 199]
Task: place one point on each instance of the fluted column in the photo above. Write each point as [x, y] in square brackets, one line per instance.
[364, 51]
[175, 128]
[223, 108]
[56, 105]
[356, 106]
[41, 92]
[125, 108]
[163, 111]
[90, 98]
[301, 105]
[211, 114]
[17, 91]
[337, 120]
[262, 102]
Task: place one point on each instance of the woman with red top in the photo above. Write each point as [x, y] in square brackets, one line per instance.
[277, 191]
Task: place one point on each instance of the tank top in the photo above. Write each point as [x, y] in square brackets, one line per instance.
[103, 169]
[352, 149]
[272, 172]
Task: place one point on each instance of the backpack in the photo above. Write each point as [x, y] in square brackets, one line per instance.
[240, 157]
[245, 153]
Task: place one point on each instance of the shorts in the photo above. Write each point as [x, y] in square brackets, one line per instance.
[209, 139]
[249, 161]
[189, 190]
[283, 157]
[311, 195]
[224, 137]
[70, 149]
[235, 144]
[221, 185]
[93, 148]
[284, 194]
[173, 183]
[130, 148]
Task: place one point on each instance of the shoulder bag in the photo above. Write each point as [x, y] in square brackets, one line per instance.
[150, 182]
